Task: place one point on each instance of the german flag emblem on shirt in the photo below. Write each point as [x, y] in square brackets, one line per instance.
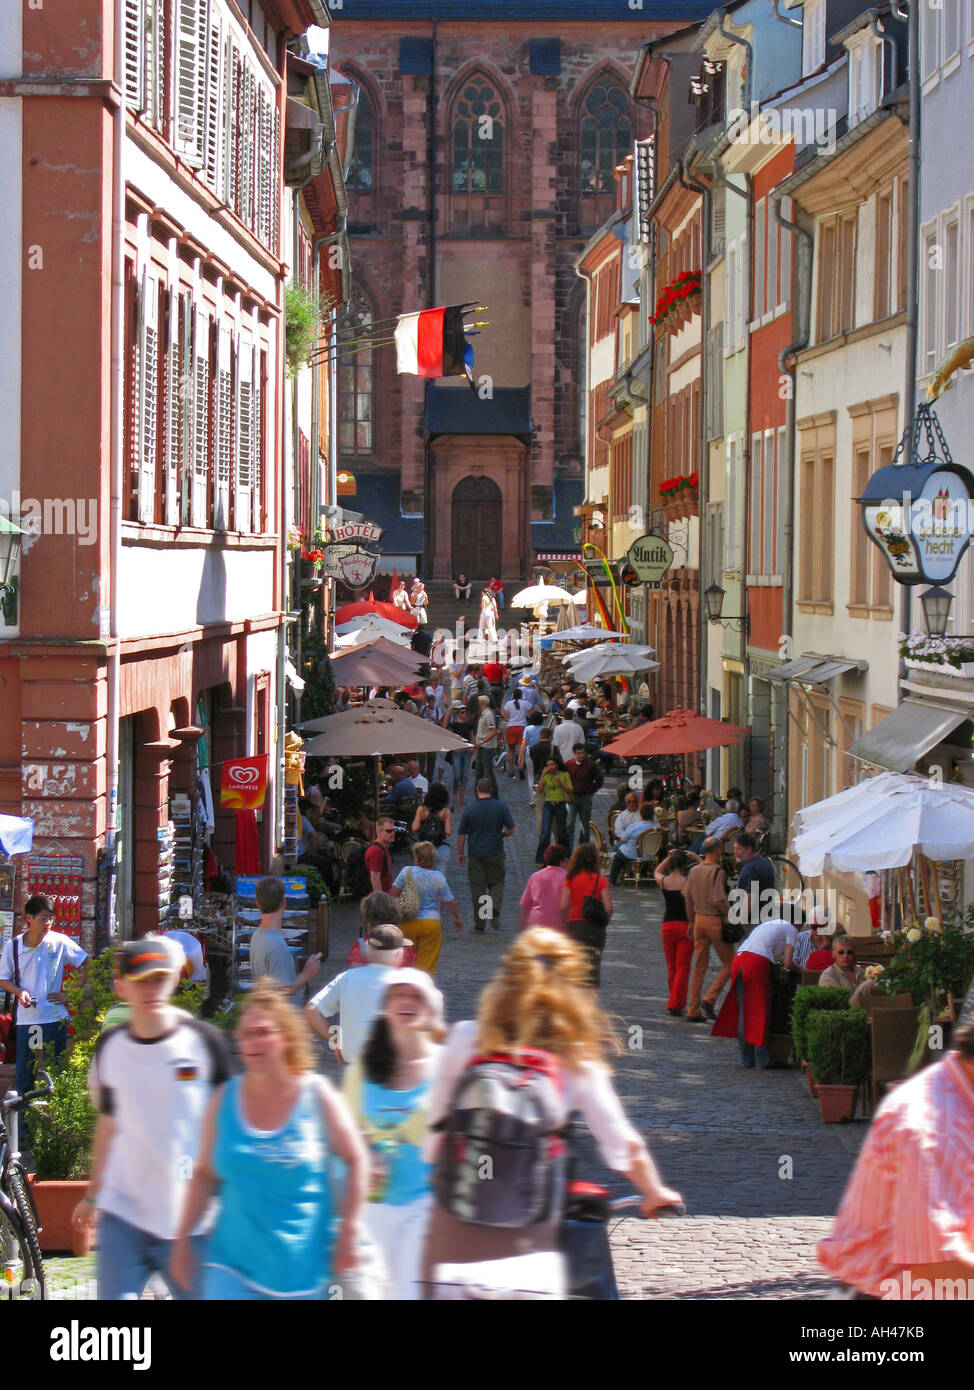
[187, 1071]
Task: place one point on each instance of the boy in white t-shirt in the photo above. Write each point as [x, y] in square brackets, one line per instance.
[150, 1082]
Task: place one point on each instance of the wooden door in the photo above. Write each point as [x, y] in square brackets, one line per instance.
[477, 520]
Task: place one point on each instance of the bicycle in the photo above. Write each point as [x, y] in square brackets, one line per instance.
[21, 1262]
[789, 882]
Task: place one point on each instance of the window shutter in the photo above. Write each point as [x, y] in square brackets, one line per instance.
[257, 448]
[148, 397]
[248, 120]
[743, 286]
[154, 19]
[201, 417]
[768, 492]
[759, 261]
[265, 167]
[213, 146]
[231, 89]
[786, 253]
[754, 565]
[186, 376]
[773, 298]
[191, 35]
[244, 436]
[174, 412]
[134, 67]
[223, 437]
[276, 182]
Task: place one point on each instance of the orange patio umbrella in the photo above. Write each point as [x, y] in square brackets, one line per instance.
[680, 731]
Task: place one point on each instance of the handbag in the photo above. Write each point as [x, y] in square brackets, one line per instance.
[731, 933]
[408, 899]
[8, 1019]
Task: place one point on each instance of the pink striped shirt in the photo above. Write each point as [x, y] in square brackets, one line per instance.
[910, 1199]
[541, 899]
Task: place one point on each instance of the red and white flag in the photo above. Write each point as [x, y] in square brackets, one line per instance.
[432, 344]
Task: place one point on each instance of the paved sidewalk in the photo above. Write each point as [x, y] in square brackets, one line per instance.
[761, 1174]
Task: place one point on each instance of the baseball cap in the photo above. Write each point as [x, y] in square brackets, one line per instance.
[409, 975]
[387, 938]
[153, 955]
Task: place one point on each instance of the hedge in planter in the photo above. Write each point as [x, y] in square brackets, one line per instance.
[839, 1051]
[808, 999]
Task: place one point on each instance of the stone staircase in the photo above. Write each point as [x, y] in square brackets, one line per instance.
[445, 613]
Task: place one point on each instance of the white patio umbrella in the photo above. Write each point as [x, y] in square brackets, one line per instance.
[590, 666]
[878, 824]
[536, 594]
[584, 632]
[16, 834]
[358, 630]
[617, 648]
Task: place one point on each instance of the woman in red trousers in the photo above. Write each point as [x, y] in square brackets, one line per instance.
[677, 939]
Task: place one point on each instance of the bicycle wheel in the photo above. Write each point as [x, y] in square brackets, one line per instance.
[787, 875]
[24, 1276]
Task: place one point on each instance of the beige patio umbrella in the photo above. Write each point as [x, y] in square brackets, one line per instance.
[359, 667]
[373, 733]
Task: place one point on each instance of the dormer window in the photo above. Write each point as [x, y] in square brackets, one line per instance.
[813, 36]
[865, 76]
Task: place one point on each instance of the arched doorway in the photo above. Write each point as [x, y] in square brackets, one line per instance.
[477, 510]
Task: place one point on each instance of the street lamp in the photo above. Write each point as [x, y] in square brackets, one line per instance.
[714, 600]
[936, 608]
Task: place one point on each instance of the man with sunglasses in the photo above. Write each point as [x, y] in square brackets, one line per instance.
[846, 970]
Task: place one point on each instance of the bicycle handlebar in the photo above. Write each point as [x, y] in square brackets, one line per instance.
[632, 1205]
[18, 1102]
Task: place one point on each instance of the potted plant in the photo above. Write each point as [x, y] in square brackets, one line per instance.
[809, 998]
[933, 961]
[61, 1138]
[839, 1054]
[783, 986]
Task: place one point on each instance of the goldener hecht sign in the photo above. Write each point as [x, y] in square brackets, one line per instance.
[924, 537]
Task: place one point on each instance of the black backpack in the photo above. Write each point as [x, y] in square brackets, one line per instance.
[357, 877]
[502, 1159]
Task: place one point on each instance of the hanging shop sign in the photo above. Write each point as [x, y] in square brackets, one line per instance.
[243, 785]
[352, 564]
[650, 557]
[919, 512]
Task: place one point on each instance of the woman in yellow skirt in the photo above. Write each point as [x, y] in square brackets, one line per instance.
[425, 930]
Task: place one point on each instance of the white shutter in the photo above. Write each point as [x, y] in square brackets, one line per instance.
[148, 396]
[187, 371]
[754, 564]
[257, 448]
[134, 48]
[773, 297]
[231, 125]
[276, 184]
[785, 253]
[244, 447]
[222, 442]
[265, 168]
[215, 101]
[247, 142]
[201, 417]
[768, 489]
[192, 31]
[743, 290]
[174, 412]
[759, 262]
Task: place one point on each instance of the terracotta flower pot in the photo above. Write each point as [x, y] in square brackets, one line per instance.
[812, 1083]
[56, 1202]
[838, 1103]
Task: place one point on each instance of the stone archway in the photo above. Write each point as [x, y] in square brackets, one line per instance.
[477, 511]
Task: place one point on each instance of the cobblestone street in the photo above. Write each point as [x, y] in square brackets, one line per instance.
[727, 1138]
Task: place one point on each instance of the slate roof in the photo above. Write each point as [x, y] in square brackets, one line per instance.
[458, 410]
[503, 11]
[377, 498]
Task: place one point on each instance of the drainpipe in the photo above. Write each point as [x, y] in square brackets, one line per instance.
[745, 43]
[912, 18]
[783, 18]
[113, 730]
[428, 518]
[800, 285]
[587, 461]
[318, 245]
[703, 189]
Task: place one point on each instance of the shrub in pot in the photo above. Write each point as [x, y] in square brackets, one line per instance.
[807, 999]
[61, 1139]
[839, 1054]
[784, 983]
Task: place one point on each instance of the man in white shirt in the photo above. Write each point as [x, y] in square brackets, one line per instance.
[416, 777]
[32, 969]
[626, 818]
[356, 994]
[563, 738]
[728, 820]
[746, 1011]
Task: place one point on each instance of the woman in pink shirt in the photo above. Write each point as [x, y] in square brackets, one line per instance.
[541, 899]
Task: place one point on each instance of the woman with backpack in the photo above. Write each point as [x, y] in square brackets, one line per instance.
[423, 891]
[540, 1042]
[587, 903]
[433, 822]
[387, 1091]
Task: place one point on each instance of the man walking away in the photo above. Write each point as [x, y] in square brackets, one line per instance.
[356, 994]
[586, 778]
[706, 899]
[150, 1081]
[486, 824]
[485, 741]
[269, 952]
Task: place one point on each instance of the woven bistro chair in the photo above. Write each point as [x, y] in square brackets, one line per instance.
[648, 848]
